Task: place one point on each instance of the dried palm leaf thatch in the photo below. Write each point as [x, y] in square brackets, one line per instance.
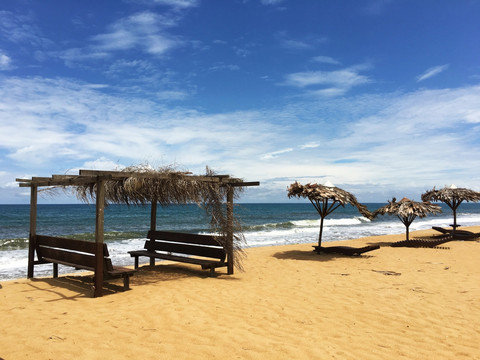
[326, 199]
[407, 210]
[169, 186]
[453, 197]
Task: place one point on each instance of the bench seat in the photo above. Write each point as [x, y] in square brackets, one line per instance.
[78, 254]
[203, 250]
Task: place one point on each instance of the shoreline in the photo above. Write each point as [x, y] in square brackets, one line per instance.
[408, 303]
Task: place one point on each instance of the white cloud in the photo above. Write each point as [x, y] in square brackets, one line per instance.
[5, 62]
[143, 30]
[181, 4]
[433, 71]
[172, 95]
[309, 146]
[373, 143]
[326, 60]
[332, 83]
[274, 154]
[309, 42]
[101, 163]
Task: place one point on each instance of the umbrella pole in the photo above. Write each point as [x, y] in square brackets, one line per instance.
[320, 235]
[407, 221]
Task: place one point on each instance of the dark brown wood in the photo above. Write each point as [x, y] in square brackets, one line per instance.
[79, 254]
[99, 226]
[205, 251]
[231, 260]
[74, 259]
[153, 216]
[345, 250]
[67, 243]
[33, 231]
[206, 264]
[183, 247]
[183, 237]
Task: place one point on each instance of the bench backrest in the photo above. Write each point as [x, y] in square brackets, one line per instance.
[183, 243]
[77, 252]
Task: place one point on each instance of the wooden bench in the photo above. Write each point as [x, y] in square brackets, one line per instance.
[79, 254]
[202, 250]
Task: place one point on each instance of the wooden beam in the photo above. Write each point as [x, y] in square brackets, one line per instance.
[126, 174]
[33, 231]
[62, 180]
[99, 229]
[244, 184]
[230, 255]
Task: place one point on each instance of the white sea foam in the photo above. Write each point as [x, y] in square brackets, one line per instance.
[13, 263]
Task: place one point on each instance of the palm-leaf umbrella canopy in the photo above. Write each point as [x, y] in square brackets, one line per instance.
[408, 210]
[326, 198]
[453, 197]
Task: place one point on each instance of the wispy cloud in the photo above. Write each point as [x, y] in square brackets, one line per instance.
[144, 30]
[307, 43]
[271, 2]
[274, 154]
[431, 72]
[377, 7]
[5, 61]
[333, 83]
[326, 60]
[182, 4]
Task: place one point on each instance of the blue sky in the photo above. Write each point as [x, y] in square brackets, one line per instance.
[381, 98]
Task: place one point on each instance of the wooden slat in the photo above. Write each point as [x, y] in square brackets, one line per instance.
[76, 259]
[212, 252]
[183, 237]
[66, 243]
[177, 258]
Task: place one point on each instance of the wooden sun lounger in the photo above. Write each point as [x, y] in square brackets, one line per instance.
[457, 234]
[432, 242]
[345, 250]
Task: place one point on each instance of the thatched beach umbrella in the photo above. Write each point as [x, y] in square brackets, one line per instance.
[453, 197]
[407, 210]
[326, 198]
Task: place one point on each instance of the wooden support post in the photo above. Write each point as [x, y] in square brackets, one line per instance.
[231, 260]
[33, 231]
[99, 228]
[153, 215]
[153, 226]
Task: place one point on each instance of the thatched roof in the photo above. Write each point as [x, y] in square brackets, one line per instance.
[320, 193]
[140, 185]
[451, 194]
[407, 208]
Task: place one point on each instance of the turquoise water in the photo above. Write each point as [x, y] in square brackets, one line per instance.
[264, 225]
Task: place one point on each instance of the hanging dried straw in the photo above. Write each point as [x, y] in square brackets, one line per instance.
[168, 186]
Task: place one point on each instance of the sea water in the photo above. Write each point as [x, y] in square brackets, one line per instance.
[263, 225]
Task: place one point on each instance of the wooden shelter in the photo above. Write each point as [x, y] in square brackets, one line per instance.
[142, 185]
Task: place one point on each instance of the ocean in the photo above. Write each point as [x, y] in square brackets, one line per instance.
[263, 224]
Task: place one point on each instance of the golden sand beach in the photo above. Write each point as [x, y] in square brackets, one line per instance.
[289, 303]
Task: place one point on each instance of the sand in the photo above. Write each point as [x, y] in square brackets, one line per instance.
[290, 303]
